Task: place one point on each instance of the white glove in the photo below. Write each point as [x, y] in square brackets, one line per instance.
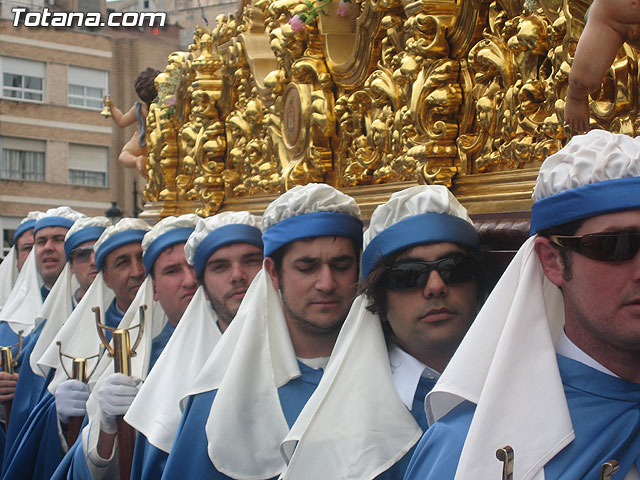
[71, 400]
[115, 396]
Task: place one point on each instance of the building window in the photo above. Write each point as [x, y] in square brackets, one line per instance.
[88, 165]
[22, 79]
[22, 159]
[87, 87]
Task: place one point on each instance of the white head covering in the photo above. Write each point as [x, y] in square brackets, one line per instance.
[169, 231]
[9, 266]
[78, 335]
[58, 305]
[25, 300]
[193, 341]
[506, 364]
[376, 429]
[255, 356]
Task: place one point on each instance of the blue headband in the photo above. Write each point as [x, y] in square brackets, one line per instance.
[52, 222]
[587, 201]
[164, 241]
[117, 240]
[81, 236]
[220, 237]
[308, 225]
[418, 230]
[22, 228]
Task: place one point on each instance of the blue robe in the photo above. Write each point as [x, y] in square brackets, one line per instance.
[33, 448]
[74, 464]
[605, 412]
[189, 457]
[149, 461]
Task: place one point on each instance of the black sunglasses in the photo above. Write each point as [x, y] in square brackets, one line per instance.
[415, 273]
[604, 247]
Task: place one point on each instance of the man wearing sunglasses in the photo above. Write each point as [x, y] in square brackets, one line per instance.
[420, 274]
[551, 365]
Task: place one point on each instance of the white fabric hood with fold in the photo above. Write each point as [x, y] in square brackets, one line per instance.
[25, 301]
[9, 266]
[170, 379]
[8, 275]
[190, 345]
[252, 360]
[154, 321]
[506, 363]
[328, 439]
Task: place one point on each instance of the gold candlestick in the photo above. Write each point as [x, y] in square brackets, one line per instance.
[7, 362]
[121, 351]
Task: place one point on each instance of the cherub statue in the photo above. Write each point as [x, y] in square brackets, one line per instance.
[610, 23]
[134, 153]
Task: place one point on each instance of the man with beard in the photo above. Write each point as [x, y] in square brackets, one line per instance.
[271, 357]
[226, 253]
[420, 271]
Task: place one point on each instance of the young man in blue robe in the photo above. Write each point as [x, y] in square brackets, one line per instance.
[20, 313]
[226, 253]
[37, 440]
[420, 275]
[271, 358]
[32, 383]
[550, 367]
[169, 287]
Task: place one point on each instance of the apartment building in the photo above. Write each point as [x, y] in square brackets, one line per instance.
[55, 147]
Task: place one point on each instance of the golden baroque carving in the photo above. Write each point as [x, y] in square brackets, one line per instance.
[428, 91]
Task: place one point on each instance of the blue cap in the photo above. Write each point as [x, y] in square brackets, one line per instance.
[418, 230]
[586, 201]
[52, 222]
[164, 241]
[116, 241]
[309, 225]
[81, 236]
[22, 228]
[220, 237]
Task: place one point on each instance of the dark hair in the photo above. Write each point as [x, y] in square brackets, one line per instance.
[568, 229]
[145, 86]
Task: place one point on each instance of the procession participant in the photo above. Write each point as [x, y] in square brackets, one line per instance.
[271, 358]
[40, 271]
[118, 257]
[420, 273]
[12, 263]
[166, 292]
[226, 253]
[32, 418]
[19, 313]
[567, 408]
